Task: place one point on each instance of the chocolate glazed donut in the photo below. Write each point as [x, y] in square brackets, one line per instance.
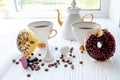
[107, 48]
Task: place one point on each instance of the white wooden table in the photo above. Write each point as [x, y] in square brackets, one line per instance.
[89, 70]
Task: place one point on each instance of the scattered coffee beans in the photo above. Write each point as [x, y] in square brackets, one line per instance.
[81, 51]
[39, 54]
[73, 56]
[40, 60]
[13, 60]
[55, 63]
[81, 62]
[32, 54]
[65, 65]
[42, 64]
[49, 65]
[56, 48]
[46, 70]
[63, 60]
[29, 57]
[28, 75]
[19, 59]
[72, 66]
[71, 49]
[70, 63]
[17, 63]
[56, 66]
[70, 54]
[58, 62]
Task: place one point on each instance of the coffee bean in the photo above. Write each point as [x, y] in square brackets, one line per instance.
[37, 68]
[52, 64]
[71, 49]
[30, 64]
[17, 63]
[32, 69]
[61, 57]
[13, 60]
[55, 63]
[58, 61]
[56, 48]
[40, 60]
[81, 62]
[32, 54]
[49, 65]
[70, 54]
[29, 57]
[46, 70]
[73, 56]
[39, 54]
[70, 63]
[82, 52]
[56, 66]
[42, 64]
[63, 60]
[72, 66]
[33, 66]
[65, 65]
[36, 62]
[28, 75]
[34, 59]
[19, 59]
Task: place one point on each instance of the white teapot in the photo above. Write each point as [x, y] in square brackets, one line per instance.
[73, 16]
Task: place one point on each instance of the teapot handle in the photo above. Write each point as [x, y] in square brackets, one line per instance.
[92, 17]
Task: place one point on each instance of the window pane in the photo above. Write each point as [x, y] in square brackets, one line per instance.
[89, 4]
[31, 5]
[3, 6]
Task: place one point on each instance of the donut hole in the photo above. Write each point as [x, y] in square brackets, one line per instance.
[99, 44]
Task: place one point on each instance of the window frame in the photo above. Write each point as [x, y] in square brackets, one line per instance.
[98, 13]
[103, 12]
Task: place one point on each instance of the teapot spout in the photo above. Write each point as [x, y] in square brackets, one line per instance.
[59, 17]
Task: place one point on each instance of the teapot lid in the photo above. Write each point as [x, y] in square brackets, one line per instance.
[73, 9]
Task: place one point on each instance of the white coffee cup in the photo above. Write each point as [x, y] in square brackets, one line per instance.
[82, 29]
[42, 30]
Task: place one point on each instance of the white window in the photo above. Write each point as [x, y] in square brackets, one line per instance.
[41, 8]
[31, 5]
[3, 7]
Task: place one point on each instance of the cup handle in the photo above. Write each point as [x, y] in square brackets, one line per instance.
[51, 32]
[92, 17]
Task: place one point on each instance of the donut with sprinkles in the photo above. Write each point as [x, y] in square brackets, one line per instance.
[26, 42]
[103, 52]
